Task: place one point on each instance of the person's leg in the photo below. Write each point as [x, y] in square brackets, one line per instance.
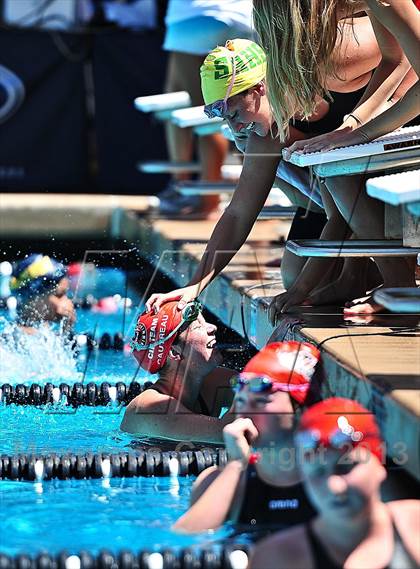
[365, 216]
[179, 141]
[212, 149]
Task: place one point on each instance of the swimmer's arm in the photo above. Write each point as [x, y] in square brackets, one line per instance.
[211, 507]
[257, 177]
[166, 418]
[397, 24]
[387, 77]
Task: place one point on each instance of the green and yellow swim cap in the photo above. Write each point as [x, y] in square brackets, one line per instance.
[216, 72]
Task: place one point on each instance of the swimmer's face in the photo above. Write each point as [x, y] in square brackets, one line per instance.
[62, 287]
[340, 483]
[250, 111]
[270, 412]
[198, 343]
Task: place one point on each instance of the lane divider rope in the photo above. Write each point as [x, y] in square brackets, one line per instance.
[75, 395]
[230, 556]
[146, 463]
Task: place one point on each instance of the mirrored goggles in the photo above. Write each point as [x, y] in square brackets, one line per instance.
[261, 384]
[338, 439]
[188, 314]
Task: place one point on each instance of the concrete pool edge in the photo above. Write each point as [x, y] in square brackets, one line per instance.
[400, 408]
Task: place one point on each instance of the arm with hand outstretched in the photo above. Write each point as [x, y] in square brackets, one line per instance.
[256, 180]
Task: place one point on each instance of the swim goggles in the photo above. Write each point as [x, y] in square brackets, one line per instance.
[339, 439]
[219, 108]
[188, 314]
[261, 384]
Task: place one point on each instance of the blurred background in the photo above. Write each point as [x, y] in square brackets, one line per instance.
[69, 73]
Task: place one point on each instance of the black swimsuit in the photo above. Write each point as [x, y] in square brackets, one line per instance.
[200, 406]
[266, 507]
[401, 558]
[342, 104]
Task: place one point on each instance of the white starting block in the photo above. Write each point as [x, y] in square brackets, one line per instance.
[160, 167]
[229, 171]
[203, 188]
[194, 117]
[396, 189]
[277, 205]
[351, 248]
[163, 105]
[398, 149]
[404, 300]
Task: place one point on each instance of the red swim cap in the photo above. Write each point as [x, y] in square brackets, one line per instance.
[338, 423]
[289, 364]
[155, 333]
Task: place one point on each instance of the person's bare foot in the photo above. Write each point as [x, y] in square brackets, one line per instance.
[363, 305]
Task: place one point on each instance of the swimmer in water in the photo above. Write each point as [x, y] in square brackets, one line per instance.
[260, 488]
[191, 391]
[340, 449]
[40, 284]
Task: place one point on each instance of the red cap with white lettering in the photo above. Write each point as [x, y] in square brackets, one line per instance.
[155, 333]
[153, 336]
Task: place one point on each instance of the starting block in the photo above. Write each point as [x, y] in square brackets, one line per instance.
[351, 248]
[396, 189]
[195, 118]
[228, 171]
[163, 105]
[405, 300]
[160, 167]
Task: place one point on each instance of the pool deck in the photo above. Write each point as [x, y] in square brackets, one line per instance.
[381, 371]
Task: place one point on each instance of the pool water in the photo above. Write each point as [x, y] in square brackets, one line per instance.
[116, 514]
[112, 514]
[28, 429]
[45, 357]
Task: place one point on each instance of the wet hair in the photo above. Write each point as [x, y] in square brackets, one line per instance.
[298, 37]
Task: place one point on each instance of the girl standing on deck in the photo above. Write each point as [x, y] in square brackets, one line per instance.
[300, 38]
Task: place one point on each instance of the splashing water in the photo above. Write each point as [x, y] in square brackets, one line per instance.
[40, 357]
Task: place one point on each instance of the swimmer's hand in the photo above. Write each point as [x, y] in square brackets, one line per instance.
[324, 142]
[184, 295]
[238, 437]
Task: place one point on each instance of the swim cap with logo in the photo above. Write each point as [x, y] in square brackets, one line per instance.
[339, 423]
[155, 333]
[289, 364]
[216, 71]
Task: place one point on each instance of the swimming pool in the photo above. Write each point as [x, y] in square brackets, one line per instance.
[92, 514]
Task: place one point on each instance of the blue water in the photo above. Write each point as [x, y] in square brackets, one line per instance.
[45, 357]
[131, 513]
[47, 429]
[82, 514]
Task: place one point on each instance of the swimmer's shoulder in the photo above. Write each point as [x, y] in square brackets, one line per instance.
[148, 401]
[406, 517]
[291, 546]
[147, 404]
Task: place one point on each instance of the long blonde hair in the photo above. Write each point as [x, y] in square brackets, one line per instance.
[299, 37]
